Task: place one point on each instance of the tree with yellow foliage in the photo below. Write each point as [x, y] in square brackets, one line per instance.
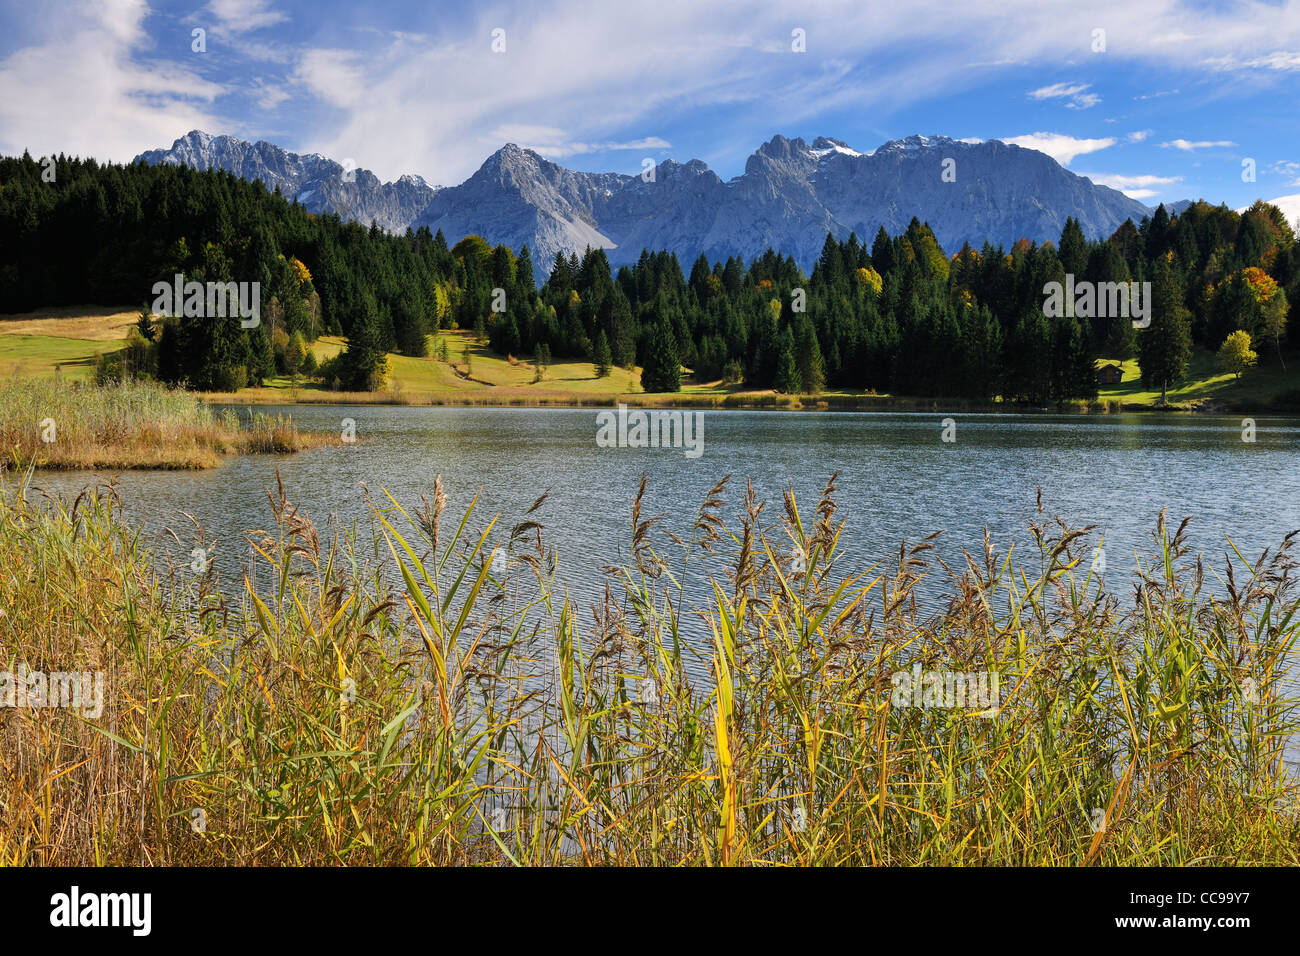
[1235, 354]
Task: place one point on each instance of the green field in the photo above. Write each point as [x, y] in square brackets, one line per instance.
[66, 340]
[1260, 388]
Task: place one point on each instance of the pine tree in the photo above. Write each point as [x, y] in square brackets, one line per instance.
[787, 378]
[363, 362]
[1121, 341]
[1166, 345]
[144, 324]
[603, 361]
[1073, 251]
[812, 368]
[662, 371]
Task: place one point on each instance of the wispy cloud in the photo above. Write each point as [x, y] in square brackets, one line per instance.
[421, 91]
[549, 141]
[1190, 146]
[1280, 60]
[1059, 146]
[1138, 135]
[89, 88]
[433, 107]
[1285, 167]
[1075, 93]
[1135, 187]
[336, 76]
[241, 16]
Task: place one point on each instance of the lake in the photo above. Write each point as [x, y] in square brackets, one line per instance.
[898, 479]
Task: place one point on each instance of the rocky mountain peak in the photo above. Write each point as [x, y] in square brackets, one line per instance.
[791, 194]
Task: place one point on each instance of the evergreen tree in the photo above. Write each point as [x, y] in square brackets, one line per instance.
[662, 371]
[144, 324]
[1073, 251]
[812, 368]
[363, 365]
[788, 380]
[603, 361]
[1166, 345]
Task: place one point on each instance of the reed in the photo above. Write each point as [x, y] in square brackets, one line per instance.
[423, 691]
[60, 425]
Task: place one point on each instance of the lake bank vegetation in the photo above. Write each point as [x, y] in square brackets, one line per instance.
[57, 425]
[455, 707]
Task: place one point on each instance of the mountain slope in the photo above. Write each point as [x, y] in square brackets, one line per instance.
[791, 194]
[320, 184]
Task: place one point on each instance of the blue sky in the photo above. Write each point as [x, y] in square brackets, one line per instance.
[1165, 104]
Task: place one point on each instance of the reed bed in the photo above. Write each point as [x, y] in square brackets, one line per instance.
[423, 692]
[58, 425]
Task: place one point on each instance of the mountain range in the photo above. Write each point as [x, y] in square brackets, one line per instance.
[790, 195]
[318, 183]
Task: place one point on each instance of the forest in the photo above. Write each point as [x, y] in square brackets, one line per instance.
[898, 315]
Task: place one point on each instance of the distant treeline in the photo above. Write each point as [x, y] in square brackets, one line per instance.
[899, 315]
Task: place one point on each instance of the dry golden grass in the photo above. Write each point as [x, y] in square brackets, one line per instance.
[90, 323]
[59, 425]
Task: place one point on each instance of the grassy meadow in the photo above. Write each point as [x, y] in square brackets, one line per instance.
[66, 341]
[458, 709]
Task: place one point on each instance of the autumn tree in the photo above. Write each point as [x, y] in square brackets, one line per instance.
[1235, 354]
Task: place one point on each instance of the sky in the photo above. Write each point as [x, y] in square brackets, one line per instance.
[1164, 100]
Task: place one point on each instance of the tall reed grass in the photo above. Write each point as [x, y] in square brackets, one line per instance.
[424, 692]
[55, 424]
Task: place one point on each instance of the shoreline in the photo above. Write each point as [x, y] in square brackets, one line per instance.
[739, 402]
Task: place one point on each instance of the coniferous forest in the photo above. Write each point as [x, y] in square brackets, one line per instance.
[895, 314]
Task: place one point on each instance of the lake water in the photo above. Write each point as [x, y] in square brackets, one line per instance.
[898, 478]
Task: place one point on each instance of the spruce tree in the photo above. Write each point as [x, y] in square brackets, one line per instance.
[603, 362]
[1166, 345]
[787, 378]
[662, 371]
[812, 369]
[1073, 251]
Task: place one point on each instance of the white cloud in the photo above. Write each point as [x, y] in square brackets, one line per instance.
[1139, 135]
[336, 76]
[241, 16]
[1279, 60]
[549, 141]
[1058, 90]
[1135, 187]
[1285, 167]
[1074, 92]
[1059, 146]
[1290, 206]
[1189, 146]
[85, 89]
[432, 106]
[428, 98]
[267, 95]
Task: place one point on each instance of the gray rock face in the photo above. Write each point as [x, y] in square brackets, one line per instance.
[791, 194]
[319, 184]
